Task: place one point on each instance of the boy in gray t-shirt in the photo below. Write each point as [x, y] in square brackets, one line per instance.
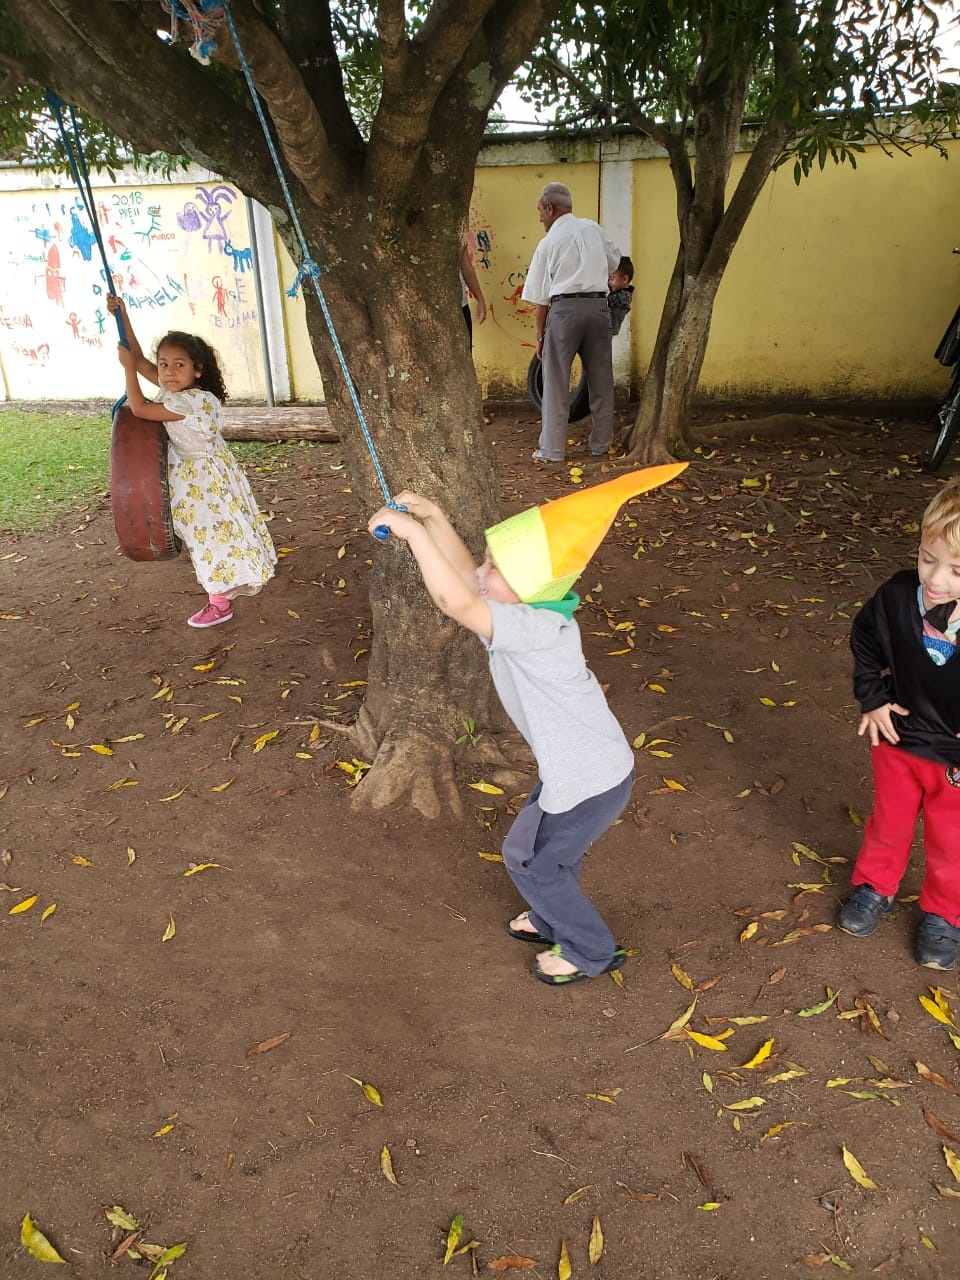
[519, 603]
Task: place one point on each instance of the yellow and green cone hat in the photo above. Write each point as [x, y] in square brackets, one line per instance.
[541, 552]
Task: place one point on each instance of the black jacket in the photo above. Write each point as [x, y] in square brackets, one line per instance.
[891, 665]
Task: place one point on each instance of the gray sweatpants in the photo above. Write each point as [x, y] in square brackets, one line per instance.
[543, 852]
[576, 325]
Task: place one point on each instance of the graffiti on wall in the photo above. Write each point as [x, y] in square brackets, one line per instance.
[178, 255]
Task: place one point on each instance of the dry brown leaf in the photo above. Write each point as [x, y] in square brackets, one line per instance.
[707, 983]
[646, 1197]
[939, 1127]
[270, 1043]
[687, 1160]
[512, 1262]
[934, 1077]
[580, 1192]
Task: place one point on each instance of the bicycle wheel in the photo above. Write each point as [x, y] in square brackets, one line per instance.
[948, 415]
[579, 391]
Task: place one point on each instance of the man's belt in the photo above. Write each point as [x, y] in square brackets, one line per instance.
[557, 296]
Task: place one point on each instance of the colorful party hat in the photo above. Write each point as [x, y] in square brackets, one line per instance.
[541, 552]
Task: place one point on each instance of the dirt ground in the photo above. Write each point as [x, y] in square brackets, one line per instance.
[134, 750]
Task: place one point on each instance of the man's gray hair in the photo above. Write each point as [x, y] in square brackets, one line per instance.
[558, 195]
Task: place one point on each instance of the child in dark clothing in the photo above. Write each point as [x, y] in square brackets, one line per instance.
[519, 603]
[907, 681]
[621, 294]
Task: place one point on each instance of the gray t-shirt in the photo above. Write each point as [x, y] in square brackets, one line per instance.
[547, 690]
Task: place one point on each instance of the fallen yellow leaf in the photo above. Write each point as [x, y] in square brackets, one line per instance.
[386, 1165]
[564, 1269]
[170, 930]
[595, 1247]
[762, 1054]
[708, 1042]
[36, 1243]
[936, 1012]
[25, 905]
[371, 1093]
[857, 1171]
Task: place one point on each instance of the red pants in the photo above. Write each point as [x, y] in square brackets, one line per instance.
[904, 786]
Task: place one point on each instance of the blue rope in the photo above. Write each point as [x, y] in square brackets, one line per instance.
[308, 268]
[81, 176]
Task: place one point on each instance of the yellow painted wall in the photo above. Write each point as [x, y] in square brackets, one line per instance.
[504, 230]
[305, 382]
[840, 287]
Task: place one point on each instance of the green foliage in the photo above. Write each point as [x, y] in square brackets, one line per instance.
[29, 136]
[833, 72]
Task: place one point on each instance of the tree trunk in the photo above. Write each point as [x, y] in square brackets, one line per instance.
[709, 228]
[410, 362]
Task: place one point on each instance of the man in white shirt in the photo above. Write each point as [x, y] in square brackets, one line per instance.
[568, 277]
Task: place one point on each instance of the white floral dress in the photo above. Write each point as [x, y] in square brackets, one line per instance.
[214, 511]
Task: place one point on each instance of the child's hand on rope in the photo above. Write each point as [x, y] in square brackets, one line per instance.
[416, 504]
[398, 522]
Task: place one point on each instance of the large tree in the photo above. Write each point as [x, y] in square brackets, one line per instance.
[378, 113]
[813, 78]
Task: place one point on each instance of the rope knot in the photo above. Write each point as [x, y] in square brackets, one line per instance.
[307, 268]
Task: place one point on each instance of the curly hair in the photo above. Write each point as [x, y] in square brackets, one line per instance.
[203, 356]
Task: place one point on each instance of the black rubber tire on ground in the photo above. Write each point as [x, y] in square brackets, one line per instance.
[948, 417]
[579, 396]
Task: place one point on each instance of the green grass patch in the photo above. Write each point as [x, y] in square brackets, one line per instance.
[50, 463]
[54, 463]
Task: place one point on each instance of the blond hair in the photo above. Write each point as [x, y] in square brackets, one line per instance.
[942, 517]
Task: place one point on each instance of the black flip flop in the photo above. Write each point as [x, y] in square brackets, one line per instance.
[524, 935]
[564, 979]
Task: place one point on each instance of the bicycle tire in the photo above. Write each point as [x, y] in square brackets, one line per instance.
[948, 415]
[579, 397]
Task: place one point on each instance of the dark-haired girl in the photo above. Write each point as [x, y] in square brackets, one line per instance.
[214, 511]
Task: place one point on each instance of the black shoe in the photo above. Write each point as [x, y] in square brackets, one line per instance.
[937, 943]
[861, 912]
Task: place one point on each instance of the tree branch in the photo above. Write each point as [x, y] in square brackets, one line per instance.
[307, 33]
[103, 58]
[300, 130]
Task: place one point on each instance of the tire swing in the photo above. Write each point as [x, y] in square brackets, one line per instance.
[579, 396]
[139, 492]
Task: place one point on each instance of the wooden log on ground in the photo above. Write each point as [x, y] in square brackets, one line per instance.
[282, 422]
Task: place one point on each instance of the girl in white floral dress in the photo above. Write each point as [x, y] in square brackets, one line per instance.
[214, 511]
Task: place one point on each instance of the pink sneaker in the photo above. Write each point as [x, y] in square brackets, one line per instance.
[210, 615]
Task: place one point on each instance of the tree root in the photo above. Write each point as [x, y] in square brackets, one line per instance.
[413, 767]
